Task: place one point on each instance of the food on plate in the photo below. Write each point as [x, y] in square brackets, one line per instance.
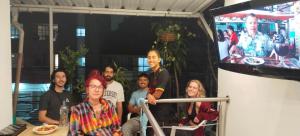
[46, 128]
[254, 60]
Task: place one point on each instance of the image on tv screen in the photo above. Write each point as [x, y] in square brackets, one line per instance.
[267, 36]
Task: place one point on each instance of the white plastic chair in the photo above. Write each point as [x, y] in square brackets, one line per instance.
[129, 116]
[188, 128]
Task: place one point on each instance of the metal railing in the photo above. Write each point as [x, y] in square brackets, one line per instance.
[221, 107]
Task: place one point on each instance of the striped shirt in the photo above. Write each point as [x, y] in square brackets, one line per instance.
[83, 119]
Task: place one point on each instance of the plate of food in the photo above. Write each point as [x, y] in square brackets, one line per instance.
[45, 129]
[254, 60]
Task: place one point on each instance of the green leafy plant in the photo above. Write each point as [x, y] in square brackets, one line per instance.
[121, 77]
[69, 60]
[173, 51]
[80, 84]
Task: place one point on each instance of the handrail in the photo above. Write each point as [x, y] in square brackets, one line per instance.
[179, 100]
[157, 130]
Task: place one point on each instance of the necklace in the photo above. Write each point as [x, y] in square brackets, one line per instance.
[97, 110]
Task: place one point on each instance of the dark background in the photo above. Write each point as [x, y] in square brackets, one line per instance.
[112, 38]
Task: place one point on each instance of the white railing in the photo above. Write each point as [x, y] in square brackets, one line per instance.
[222, 104]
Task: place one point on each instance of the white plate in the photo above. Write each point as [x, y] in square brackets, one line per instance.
[45, 129]
[254, 60]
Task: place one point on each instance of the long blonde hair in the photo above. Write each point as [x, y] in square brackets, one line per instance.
[201, 89]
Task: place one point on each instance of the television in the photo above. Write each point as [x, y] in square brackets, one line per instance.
[259, 38]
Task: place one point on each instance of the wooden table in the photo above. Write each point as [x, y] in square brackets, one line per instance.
[61, 131]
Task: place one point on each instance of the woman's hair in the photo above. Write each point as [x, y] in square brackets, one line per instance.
[95, 74]
[156, 51]
[52, 78]
[230, 28]
[220, 35]
[201, 89]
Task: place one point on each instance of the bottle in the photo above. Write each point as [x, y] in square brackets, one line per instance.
[64, 112]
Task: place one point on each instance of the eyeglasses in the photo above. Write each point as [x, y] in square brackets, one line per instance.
[96, 87]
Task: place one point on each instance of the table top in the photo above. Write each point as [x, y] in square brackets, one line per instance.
[61, 131]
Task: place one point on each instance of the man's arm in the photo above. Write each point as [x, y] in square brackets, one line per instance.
[43, 118]
[133, 109]
[119, 110]
[156, 95]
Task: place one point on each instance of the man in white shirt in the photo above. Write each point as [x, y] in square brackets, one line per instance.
[114, 91]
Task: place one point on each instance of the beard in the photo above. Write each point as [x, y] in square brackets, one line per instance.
[108, 78]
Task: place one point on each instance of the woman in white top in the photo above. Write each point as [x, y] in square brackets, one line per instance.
[223, 44]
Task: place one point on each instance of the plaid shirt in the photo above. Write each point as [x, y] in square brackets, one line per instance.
[83, 119]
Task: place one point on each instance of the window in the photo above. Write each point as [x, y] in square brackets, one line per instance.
[43, 31]
[56, 61]
[80, 32]
[23, 87]
[142, 64]
[14, 33]
[81, 61]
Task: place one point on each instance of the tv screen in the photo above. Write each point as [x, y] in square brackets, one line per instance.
[259, 39]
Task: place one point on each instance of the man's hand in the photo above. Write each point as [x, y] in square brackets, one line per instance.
[151, 99]
[43, 118]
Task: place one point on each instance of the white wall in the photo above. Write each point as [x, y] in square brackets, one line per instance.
[260, 106]
[5, 68]
[230, 2]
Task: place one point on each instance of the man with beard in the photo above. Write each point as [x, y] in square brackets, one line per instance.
[51, 101]
[114, 91]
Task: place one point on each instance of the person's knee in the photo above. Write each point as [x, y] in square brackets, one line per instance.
[127, 126]
[130, 128]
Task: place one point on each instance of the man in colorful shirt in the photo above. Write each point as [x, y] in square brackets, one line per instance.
[252, 42]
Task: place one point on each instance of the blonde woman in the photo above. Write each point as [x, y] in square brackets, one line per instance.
[197, 111]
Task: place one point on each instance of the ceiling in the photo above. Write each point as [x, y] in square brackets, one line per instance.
[170, 8]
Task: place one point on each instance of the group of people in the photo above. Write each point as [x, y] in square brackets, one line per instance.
[100, 113]
[251, 42]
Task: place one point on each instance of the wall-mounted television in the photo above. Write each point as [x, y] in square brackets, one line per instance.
[259, 38]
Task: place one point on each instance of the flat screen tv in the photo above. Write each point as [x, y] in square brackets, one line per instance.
[259, 38]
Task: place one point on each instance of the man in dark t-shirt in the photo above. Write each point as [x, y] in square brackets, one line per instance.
[51, 101]
[159, 79]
